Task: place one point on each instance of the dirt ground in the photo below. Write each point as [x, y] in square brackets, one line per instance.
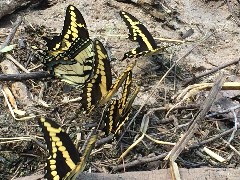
[205, 18]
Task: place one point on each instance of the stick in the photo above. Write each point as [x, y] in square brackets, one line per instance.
[189, 80]
[12, 33]
[139, 162]
[104, 140]
[25, 76]
[196, 145]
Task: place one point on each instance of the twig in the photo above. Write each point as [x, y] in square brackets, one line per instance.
[89, 137]
[104, 140]
[138, 162]
[25, 76]
[223, 112]
[235, 126]
[233, 148]
[43, 146]
[12, 33]
[159, 142]
[174, 170]
[196, 145]
[143, 130]
[213, 154]
[206, 158]
[166, 108]
[40, 96]
[9, 56]
[189, 80]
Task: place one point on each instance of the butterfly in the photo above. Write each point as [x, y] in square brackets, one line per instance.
[99, 89]
[139, 33]
[64, 161]
[74, 27]
[74, 66]
[70, 56]
[96, 87]
[118, 111]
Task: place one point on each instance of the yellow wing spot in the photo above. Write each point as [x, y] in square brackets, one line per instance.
[62, 148]
[72, 8]
[52, 161]
[100, 53]
[103, 73]
[43, 120]
[90, 86]
[54, 149]
[81, 25]
[71, 164]
[53, 130]
[66, 155]
[72, 22]
[59, 143]
[46, 124]
[56, 178]
[54, 137]
[53, 167]
[102, 65]
[54, 173]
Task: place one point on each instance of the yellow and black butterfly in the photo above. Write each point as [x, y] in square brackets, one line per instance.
[74, 66]
[64, 161]
[99, 89]
[70, 56]
[139, 33]
[118, 111]
[117, 84]
[96, 87]
[74, 27]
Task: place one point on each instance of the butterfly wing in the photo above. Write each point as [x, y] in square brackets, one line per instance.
[126, 91]
[101, 81]
[74, 27]
[70, 56]
[63, 156]
[117, 84]
[84, 157]
[139, 33]
[111, 117]
[118, 111]
[75, 66]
